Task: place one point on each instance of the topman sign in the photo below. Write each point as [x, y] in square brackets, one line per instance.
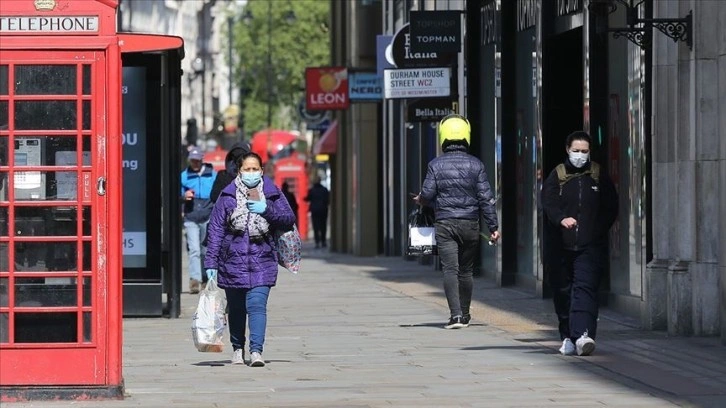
[436, 31]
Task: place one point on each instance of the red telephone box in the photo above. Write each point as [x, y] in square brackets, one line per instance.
[60, 200]
[292, 171]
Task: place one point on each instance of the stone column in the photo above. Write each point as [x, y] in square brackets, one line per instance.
[721, 40]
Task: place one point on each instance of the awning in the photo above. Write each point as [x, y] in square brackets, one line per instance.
[328, 142]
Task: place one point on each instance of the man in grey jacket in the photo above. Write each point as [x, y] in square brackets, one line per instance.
[456, 186]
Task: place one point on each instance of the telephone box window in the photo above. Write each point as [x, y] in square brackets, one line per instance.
[45, 256]
[45, 115]
[4, 80]
[86, 107]
[87, 291]
[46, 292]
[4, 257]
[86, 245]
[4, 115]
[87, 326]
[49, 221]
[86, 79]
[4, 292]
[45, 80]
[4, 327]
[46, 327]
[3, 221]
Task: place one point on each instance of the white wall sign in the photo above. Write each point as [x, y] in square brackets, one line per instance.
[54, 24]
[417, 83]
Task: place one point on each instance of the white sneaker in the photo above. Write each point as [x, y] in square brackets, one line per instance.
[238, 357]
[567, 349]
[256, 359]
[585, 345]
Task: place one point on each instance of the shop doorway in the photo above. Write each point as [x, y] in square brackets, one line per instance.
[563, 90]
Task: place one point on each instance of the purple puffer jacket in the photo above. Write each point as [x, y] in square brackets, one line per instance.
[239, 262]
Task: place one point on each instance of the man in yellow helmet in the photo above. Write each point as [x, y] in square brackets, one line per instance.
[456, 186]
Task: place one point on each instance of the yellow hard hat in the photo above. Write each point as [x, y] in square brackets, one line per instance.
[454, 127]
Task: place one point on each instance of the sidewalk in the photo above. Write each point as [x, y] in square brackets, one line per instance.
[367, 332]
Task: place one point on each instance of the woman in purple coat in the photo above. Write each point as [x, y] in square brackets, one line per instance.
[241, 251]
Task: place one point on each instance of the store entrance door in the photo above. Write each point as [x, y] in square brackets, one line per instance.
[54, 325]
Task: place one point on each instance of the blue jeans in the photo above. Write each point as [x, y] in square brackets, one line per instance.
[195, 233]
[252, 302]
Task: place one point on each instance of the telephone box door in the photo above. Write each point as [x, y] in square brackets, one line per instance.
[53, 218]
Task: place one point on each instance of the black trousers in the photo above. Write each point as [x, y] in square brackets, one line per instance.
[574, 282]
[458, 242]
[320, 226]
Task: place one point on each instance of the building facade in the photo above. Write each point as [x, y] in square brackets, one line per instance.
[532, 72]
[203, 25]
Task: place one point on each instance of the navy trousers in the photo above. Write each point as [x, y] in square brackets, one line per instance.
[575, 284]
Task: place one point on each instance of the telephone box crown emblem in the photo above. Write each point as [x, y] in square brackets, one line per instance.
[44, 5]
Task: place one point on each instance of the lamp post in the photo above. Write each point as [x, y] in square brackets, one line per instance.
[289, 18]
[230, 32]
[198, 67]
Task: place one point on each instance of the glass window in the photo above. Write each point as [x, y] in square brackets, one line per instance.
[4, 292]
[45, 79]
[46, 327]
[86, 79]
[87, 326]
[46, 256]
[42, 115]
[87, 291]
[86, 107]
[87, 254]
[49, 221]
[46, 292]
[46, 185]
[4, 257]
[4, 318]
[4, 80]
[3, 221]
[4, 121]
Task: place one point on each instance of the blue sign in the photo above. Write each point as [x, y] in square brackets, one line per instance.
[364, 87]
[382, 41]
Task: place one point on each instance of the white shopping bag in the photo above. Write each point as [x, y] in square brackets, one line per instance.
[209, 321]
[423, 236]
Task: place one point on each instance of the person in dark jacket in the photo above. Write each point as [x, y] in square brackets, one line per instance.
[456, 186]
[581, 202]
[241, 252]
[319, 199]
[230, 172]
[291, 199]
[196, 185]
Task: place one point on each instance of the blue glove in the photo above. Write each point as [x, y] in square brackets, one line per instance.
[257, 207]
[211, 274]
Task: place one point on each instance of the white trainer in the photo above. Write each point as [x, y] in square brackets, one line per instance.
[256, 359]
[238, 357]
[585, 345]
[567, 349]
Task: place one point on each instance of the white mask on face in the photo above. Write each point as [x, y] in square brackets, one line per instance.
[579, 159]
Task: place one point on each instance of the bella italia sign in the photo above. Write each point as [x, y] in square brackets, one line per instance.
[48, 24]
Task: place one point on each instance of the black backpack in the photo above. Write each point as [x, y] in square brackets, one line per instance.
[563, 177]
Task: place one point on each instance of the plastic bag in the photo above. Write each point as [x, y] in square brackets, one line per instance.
[421, 232]
[209, 321]
[289, 249]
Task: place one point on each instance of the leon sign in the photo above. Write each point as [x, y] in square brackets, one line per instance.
[326, 88]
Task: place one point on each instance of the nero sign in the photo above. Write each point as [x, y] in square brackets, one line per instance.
[435, 31]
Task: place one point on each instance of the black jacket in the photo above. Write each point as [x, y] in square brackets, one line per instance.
[593, 204]
[227, 176]
[456, 186]
[319, 199]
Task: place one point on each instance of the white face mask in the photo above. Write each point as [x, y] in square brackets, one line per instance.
[579, 159]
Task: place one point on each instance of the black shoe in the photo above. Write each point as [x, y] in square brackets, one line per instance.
[465, 320]
[455, 322]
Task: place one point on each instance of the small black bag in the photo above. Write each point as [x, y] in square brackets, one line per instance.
[421, 232]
